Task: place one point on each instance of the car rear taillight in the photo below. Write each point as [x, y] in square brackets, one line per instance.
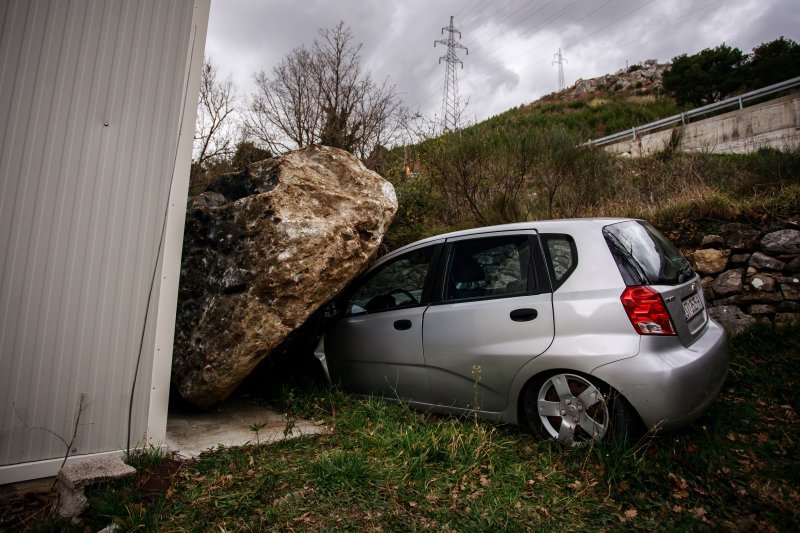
[646, 311]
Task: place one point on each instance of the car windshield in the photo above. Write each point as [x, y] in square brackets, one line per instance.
[644, 256]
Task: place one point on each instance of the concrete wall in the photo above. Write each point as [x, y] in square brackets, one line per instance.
[774, 124]
[97, 107]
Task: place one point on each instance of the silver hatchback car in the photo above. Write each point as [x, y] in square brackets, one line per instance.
[574, 328]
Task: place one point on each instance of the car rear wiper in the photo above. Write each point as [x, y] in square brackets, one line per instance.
[624, 255]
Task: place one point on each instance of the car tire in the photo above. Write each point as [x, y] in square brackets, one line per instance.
[575, 409]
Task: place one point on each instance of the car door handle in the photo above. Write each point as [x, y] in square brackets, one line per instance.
[523, 315]
[402, 325]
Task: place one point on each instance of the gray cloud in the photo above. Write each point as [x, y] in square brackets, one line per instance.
[511, 42]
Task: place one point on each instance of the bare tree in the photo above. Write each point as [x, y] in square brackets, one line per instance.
[285, 110]
[323, 95]
[215, 129]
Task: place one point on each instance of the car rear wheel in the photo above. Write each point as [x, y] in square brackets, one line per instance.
[574, 409]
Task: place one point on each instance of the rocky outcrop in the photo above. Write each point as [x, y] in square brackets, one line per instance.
[749, 275]
[263, 250]
[647, 76]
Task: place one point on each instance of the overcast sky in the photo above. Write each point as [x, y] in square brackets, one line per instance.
[511, 43]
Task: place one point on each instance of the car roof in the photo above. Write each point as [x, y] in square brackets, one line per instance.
[541, 226]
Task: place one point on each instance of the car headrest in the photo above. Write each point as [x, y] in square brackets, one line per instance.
[466, 269]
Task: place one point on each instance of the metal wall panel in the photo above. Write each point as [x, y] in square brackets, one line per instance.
[91, 100]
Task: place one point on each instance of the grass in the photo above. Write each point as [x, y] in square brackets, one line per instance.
[386, 467]
[592, 118]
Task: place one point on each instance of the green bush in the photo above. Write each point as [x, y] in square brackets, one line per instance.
[717, 73]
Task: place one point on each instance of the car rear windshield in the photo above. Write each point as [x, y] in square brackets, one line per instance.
[644, 256]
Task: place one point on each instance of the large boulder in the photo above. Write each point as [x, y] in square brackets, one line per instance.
[263, 250]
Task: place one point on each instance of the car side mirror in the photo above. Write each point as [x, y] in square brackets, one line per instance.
[334, 309]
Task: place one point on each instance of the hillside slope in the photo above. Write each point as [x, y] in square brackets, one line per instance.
[598, 106]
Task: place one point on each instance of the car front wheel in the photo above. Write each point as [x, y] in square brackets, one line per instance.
[573, 409]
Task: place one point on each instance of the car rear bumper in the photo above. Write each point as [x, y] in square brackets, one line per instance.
[668, 384]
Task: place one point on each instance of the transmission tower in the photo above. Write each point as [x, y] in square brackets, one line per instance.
[560, 60]
[450, 103]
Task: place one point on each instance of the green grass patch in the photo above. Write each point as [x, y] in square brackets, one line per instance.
[386, 467]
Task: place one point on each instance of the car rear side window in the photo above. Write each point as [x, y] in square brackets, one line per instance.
[644, 256]
[562, 257]
[488, 268]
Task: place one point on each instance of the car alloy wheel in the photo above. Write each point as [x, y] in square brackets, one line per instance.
[568, 408]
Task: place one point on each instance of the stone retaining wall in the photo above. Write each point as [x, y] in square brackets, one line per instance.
[749, 275]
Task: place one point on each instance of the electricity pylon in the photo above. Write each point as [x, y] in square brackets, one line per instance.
[560, 60]
[450, 104]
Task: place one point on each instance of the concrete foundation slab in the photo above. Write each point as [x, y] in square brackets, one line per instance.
[231, 424]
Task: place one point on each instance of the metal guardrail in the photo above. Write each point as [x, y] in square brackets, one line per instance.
[685, 117]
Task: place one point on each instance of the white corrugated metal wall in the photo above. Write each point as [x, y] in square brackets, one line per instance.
[92, 99]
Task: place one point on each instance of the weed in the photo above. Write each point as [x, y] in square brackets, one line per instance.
[256, 428]
[146, 457]
[476, 382]
[623, 462]
[289, 415]
[341, 470]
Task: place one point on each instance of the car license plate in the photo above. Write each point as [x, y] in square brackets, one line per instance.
[692, 305]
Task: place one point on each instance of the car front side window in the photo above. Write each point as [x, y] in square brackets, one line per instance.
[399, 283]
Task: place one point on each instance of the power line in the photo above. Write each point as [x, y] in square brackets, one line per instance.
[519, 19]
[551, 18]
[478, 6]
[524, 5]
[481, 10]
[585, 37]
[643, 37]
[467, 8]
[625, 15]
[531, 29]
[450, 105]
[525, 16]
[529, 15]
